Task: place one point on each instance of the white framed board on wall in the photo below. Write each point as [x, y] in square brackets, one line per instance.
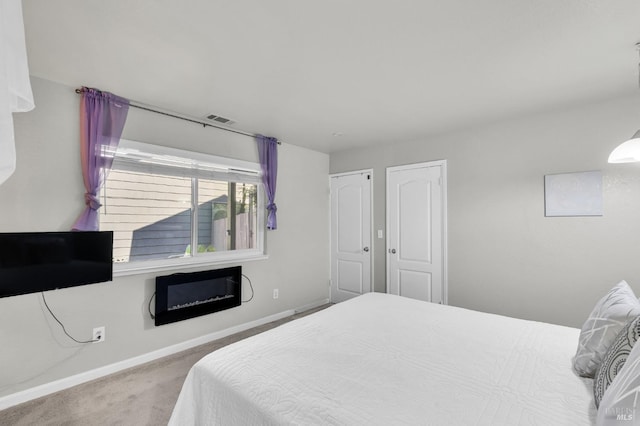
[573, 194]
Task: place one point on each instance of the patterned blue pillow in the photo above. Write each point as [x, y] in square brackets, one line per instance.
[610, 314]
[618, 404]
[615, 358]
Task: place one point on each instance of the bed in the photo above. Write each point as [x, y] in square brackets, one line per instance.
[380, 359]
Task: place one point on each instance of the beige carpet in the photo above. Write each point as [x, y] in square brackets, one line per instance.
[143, 395]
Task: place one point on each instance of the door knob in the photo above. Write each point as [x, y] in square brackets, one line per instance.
[392, 251]
[366, 249]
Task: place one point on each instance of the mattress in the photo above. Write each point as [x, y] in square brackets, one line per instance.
[381, 359]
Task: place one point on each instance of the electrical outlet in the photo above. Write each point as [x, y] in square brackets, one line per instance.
[275, 293]
[98, 334]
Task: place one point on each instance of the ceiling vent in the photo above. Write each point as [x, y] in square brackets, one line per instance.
[219, 119]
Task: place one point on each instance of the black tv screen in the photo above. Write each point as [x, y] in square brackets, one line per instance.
[39, 261]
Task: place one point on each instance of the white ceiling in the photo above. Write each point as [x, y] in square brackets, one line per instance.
[374, 71]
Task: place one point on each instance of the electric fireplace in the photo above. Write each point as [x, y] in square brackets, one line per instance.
[187, 295]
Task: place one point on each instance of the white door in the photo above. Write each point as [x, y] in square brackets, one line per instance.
[416, 201]
[350, 235]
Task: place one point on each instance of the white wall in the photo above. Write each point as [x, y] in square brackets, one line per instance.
[505, 256]
[46, 194]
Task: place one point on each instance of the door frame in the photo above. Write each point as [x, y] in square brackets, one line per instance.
[445, 273]
[371, 245]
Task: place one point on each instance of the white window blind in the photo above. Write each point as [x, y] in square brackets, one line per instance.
[154, 159]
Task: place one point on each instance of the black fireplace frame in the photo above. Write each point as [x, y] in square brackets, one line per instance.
[165, 316]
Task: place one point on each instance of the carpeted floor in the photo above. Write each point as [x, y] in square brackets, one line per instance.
[143, 395]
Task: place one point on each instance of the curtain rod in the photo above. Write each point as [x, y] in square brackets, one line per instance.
[179, 116]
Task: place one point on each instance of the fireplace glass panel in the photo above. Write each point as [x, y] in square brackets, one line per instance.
[184, 296]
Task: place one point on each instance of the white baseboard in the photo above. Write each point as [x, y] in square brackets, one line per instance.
[68, 382]
[309, 306]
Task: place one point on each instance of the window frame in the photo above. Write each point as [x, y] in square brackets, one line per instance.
[131, 154]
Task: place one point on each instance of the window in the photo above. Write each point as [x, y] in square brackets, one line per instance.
[169, 207]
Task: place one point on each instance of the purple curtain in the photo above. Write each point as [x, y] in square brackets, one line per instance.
[268, 154]
[102, 118]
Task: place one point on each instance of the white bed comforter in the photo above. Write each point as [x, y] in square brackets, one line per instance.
[386, 360]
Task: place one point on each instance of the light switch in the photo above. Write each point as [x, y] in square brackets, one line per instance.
[379, 233]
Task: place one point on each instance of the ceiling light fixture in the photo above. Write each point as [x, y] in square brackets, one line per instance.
[629, 151]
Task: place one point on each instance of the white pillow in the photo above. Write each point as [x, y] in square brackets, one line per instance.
[616, 357]
[618, 405]
[610, 314]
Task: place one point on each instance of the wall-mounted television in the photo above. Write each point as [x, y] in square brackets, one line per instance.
[32, 262]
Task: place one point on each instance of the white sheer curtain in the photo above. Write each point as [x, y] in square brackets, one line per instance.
[15, 88]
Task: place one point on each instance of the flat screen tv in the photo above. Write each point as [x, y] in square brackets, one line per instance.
[32, 262]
